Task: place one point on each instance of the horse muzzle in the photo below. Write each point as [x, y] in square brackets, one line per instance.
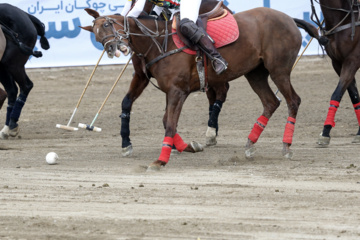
[125, 49]
[112, 50]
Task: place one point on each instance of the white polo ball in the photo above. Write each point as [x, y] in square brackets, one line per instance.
[51, 158]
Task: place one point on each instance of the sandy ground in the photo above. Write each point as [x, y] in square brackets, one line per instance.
[95, 193]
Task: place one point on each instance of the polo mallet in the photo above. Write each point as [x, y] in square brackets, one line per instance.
[91, 127]
[68, 127]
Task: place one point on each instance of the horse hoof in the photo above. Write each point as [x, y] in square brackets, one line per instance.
[356, 139]
[323, 141]
[14, 132]
[156, 166]
[196, 146]
[288, 154]
[211, 141]
[211, 136]
[127, 151]
[153, 168]
[4, 133]
[250, 152]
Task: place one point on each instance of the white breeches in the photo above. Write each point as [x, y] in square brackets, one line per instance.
[190, 9]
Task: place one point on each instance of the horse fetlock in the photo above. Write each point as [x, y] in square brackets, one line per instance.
[127, 151]
[211, 136]
[323, 141]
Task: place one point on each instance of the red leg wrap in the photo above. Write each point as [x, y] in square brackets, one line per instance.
[179, 143]
[357, 111]
[289, 130]
[166, 149]
[258, 128]
[330, 119]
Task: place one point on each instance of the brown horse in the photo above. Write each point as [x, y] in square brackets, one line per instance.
[344, 51]
[141, 80]
[268, 46]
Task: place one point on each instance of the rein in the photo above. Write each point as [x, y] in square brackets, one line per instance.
[146, 32]
[338, 27]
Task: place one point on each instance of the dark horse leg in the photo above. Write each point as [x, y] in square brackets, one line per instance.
[15, 103]
[346, 71]
[137, 86]
[354, 96]
[3, 96]
[216, 96]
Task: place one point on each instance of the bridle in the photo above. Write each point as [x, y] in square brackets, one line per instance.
[125, 33]
[338, 27]
[117, 36]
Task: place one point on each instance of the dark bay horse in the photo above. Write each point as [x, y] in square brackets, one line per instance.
[21, 31]
[268, 46]
[341, 19]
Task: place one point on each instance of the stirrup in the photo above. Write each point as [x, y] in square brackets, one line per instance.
[221, 62]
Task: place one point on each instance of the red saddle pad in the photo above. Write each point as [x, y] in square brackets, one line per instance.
[224, 31]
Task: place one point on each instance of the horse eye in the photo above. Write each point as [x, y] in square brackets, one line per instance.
[106, 24]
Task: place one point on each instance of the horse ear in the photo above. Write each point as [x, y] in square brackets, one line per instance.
[88, 28]
[92, 12]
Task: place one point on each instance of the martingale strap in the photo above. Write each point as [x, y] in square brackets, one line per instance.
[158, 58]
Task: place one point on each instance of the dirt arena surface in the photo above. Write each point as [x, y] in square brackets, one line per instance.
[95, 193]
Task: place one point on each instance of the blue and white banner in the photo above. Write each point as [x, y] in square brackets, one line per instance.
[72, 46]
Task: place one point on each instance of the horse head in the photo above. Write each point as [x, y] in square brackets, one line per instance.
[109, 31]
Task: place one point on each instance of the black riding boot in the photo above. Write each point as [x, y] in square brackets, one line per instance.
[199, 37]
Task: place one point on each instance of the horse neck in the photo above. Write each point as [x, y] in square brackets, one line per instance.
[333, 17]
[144, 44]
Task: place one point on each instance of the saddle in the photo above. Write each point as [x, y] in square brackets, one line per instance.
[2, 43]
[219, 24]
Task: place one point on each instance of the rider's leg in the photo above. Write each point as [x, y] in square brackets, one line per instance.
[189, 10]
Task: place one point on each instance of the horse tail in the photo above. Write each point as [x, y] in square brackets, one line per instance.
[313, 32]
[40, 28]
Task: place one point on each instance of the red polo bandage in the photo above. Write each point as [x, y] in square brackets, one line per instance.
[357, 111]
[330, 119]
[258, 128]
[166, 149]
[289, 130]
[179, 143]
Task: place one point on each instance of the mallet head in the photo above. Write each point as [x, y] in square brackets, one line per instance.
[88, 127]
[69, 128]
